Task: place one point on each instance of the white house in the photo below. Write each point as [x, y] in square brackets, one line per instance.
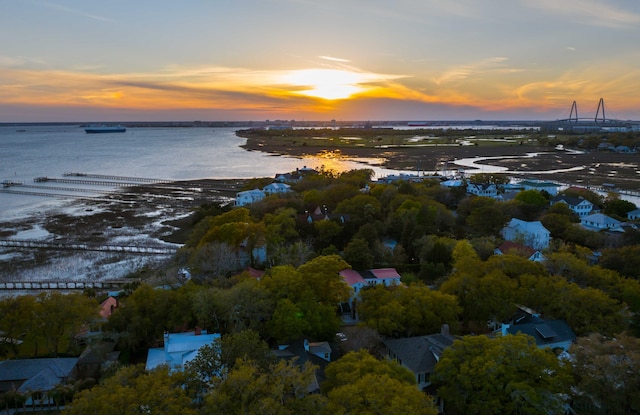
[179, 348]
[600, 221]
[482, 189]
[276, 188]
[531, 234]
[634, 214]
[249, 196]
[579, 205]
[384, 276]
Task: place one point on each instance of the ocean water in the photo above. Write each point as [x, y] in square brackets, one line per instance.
[160, 153]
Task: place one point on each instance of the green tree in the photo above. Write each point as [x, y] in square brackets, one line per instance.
[531, 203]
[486, 220]
[144, 316]
[218, 358]
[61, 316]
[312, 293]
[618, 207]
[16, 313]
[358, 383]
[625, 260]
[282, 389]
[505, 375]
[322, 274]
[361, 209]
[358, 254]
[409, 311]
[288, 322]
[133, 391]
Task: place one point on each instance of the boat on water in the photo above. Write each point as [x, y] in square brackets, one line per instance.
[101, 129]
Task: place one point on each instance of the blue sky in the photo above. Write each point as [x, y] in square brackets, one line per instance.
[116, 60]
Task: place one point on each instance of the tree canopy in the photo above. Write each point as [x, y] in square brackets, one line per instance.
[505, 375]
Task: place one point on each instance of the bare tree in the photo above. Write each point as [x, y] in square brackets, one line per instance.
[217, 259]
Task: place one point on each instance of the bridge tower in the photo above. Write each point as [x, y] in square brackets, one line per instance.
[574, 109]
[600, 105]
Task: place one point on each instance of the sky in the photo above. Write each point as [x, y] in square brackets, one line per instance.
[255, 60]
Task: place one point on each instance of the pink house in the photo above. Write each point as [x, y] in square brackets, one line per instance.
[384, 276]
[107, 307]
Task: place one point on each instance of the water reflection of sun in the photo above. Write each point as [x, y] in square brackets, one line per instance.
[335, 160]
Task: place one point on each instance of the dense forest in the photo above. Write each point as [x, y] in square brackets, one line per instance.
[267, 274]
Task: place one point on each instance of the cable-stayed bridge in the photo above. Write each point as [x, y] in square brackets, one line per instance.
[599, 122]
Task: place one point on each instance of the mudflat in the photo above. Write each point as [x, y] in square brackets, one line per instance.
[592, 168]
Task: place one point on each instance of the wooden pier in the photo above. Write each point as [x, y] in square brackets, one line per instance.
[128, 249]
[89, 182]
[62, 285]
[116, 178]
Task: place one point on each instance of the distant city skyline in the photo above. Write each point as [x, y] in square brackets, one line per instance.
[252, 60]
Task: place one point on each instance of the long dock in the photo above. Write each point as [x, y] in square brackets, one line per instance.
[45, 179]
[62, 285]
[129, 249]
[113, 177]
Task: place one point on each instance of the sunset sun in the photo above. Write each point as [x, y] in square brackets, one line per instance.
[325, 83]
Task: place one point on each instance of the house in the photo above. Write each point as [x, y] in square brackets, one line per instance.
[255, 273]
[384, 276]
[419, 354]
[554, 334]
[302, 352]
[452, 183]
[256, 254]
[179, 348]
[36, 377]
[482, 189]
[295, 177]
[249, 196]
[623, 150]
[508, 195]
[531, 234]
[359, 280]
[320, 214]
[276, 188]
[605, 147]
[539, 185]
[600, 221]
[514, 248]
[107, 307]
[634, 214]
[579, 205]
[288, 177]
[402, 177]
[319, 349]
[355, 281]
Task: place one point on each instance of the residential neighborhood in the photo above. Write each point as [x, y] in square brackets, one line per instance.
[318, 282]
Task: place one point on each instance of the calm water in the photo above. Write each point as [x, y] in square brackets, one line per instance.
[162, 153]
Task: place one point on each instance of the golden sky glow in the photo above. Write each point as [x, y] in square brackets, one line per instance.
[325, 83]
[267, 59]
